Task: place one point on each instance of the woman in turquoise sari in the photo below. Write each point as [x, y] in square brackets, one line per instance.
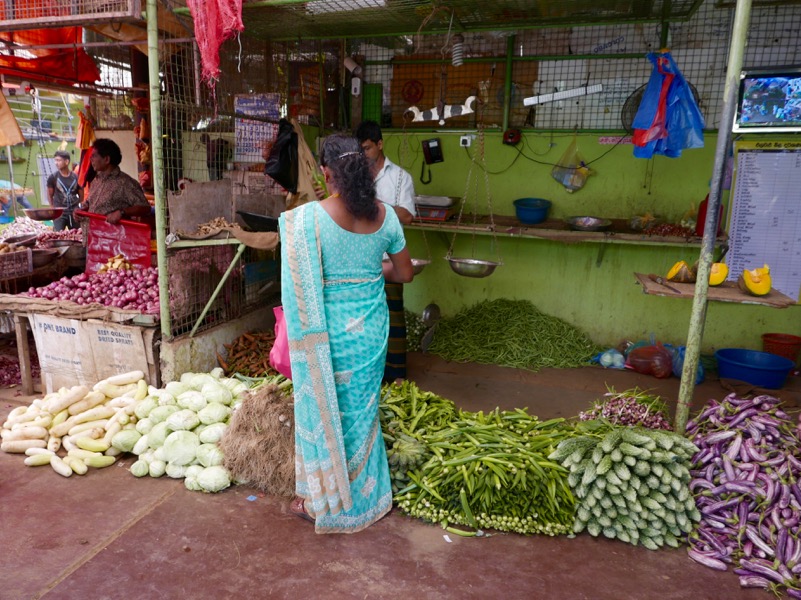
[332, 291]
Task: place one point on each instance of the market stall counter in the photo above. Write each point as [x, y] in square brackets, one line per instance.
[81, 344]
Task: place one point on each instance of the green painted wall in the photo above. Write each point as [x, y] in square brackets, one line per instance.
[590, 285]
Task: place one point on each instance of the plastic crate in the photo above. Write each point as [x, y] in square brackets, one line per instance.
[782, 344]
[16, 264]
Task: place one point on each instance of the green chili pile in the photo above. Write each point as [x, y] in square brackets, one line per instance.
[511, 333]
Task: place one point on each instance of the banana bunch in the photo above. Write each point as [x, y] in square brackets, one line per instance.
[405, 454]
[116, 262]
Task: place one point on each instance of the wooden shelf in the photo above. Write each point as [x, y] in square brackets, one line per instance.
[556, 230]
[725, 292]
[185, 243]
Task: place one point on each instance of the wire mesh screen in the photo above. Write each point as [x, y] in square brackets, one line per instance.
[351, 18]
[195, 274]
[223, 132]
[16, 15]
[573, 77]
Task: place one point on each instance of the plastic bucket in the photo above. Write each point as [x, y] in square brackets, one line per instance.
[757, 368]
[782, 344]
[531, 211]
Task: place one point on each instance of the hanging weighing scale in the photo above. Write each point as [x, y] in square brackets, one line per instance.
[472, 266]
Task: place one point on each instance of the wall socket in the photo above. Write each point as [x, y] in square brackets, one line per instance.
[466, 140]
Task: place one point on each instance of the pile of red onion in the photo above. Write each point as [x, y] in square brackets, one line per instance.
[44, 239]
[746, 486]
[136, 289]
[10, 373]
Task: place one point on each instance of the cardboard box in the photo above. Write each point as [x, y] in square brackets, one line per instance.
[73, 351]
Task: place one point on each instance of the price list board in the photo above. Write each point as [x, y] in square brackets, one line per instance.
[251, 135]
[765, 219]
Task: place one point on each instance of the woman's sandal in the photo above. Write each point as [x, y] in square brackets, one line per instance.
[298, 508]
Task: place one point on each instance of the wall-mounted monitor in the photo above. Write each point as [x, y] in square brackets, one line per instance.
[769, 100]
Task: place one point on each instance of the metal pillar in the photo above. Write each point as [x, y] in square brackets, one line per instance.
[158, 164]
[742, 17]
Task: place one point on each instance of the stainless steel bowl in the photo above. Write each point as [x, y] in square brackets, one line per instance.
[588, 223]
[43, 257]
[26, 239]
[64, 243]
[418, 264]
[44, 214]
[472, 267]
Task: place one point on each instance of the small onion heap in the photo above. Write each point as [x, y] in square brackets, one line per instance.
[130, 290]
[746, 484]
[631, 407]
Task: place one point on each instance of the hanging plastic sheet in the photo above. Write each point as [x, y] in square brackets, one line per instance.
[64, 66]
[668, 119]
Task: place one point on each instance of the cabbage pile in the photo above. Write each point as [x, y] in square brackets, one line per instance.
[178, 427]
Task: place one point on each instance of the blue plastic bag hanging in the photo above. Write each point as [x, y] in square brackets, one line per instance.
[677, 353]
[668, 119]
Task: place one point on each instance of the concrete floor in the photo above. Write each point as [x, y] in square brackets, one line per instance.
[108, 535]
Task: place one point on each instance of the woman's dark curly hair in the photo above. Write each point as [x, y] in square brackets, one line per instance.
[343, 157]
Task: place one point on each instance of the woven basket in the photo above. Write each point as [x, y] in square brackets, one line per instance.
[783, 344]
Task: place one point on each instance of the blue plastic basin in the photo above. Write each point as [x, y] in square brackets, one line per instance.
[757, 368]
[532, 210]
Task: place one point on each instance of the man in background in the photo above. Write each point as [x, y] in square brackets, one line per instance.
[218, 153]
[114, 193]
[395, 188]
[63, 191]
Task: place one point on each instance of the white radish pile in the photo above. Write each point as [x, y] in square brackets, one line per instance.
[71, 429]
[174, 431]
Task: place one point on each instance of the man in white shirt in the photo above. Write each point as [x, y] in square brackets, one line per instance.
[395, 188]
[393, 185]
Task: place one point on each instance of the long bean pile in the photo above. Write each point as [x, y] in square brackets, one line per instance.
[746, 479]
[511, 333]
[492, 471]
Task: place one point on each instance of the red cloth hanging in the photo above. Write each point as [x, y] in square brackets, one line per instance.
[83, 165]
[215, 21]
[65, 66]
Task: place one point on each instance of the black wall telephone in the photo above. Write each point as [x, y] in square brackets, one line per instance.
[432, 151]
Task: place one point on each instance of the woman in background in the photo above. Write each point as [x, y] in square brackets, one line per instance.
[337, 323]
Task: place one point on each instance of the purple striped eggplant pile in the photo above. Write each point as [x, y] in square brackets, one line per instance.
[745, 480]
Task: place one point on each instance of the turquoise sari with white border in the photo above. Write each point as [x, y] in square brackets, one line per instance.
[337, 329]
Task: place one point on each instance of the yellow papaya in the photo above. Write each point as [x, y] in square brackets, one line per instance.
[755, 281]
[681, 273]
[718, 273]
